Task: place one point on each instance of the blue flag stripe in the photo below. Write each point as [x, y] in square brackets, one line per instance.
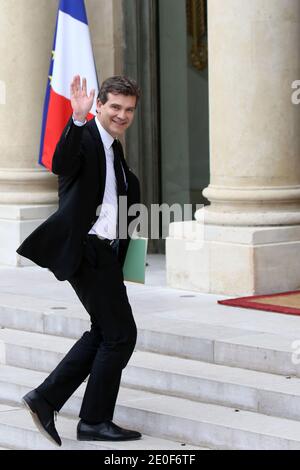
[46, 101]
[74, 8]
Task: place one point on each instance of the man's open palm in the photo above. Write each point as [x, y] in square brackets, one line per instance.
[80, 101]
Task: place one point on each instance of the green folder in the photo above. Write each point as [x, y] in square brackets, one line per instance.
[135, 261]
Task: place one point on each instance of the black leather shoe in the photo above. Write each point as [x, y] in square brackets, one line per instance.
[105, 431]
[43, 415]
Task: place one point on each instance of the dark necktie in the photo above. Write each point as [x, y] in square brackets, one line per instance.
[118, 152]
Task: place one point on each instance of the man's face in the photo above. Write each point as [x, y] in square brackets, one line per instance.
[117, 114]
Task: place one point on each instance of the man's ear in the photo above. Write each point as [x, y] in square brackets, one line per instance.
[99, 104]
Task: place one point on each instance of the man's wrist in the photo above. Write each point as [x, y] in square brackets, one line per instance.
[79, 117]
[78, 120]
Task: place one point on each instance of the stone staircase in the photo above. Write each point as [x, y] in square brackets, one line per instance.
[191, 384]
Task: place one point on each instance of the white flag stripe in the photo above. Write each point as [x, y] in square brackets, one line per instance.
[73, 56]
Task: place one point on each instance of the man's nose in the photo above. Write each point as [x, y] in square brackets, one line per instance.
[122, 114]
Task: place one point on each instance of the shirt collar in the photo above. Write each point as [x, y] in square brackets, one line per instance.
[107, 139]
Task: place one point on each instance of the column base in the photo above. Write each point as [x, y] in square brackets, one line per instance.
[16, 223]
[233, 260]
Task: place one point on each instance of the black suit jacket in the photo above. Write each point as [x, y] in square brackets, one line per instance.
[79, 160]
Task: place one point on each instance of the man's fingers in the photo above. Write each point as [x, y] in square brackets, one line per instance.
[84, 86]
[74, 83]
[77, 82]
[78, 92]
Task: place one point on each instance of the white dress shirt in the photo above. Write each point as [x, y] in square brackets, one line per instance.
[106, 224]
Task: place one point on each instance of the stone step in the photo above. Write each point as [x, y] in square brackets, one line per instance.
[27, 313]
[163, 333]
[270, 394]
[267, 393]
[17, 428]
[263, 352]
[185, 421]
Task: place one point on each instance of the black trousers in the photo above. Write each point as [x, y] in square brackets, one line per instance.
[103, 351]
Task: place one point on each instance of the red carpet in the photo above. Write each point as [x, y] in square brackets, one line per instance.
[285, 302]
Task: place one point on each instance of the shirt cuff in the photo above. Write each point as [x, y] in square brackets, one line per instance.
[78, 123]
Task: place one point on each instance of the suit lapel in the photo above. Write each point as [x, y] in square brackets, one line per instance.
[123, 161]
[101, 160]
[99, 149]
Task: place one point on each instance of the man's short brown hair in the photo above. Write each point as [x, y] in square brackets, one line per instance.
[119, 85]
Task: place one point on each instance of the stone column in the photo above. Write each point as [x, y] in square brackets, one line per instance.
[250, 235]
[28, 192]
[106, 27]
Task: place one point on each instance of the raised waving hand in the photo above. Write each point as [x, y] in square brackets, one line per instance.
[80, 101]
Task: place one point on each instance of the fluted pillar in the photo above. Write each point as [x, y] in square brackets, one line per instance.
[28, 193]
[251, 230]
[255, 139]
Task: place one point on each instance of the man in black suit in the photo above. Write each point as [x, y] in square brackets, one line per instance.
[83, 246]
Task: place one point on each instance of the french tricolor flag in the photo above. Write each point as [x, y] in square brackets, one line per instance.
[71, 55]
